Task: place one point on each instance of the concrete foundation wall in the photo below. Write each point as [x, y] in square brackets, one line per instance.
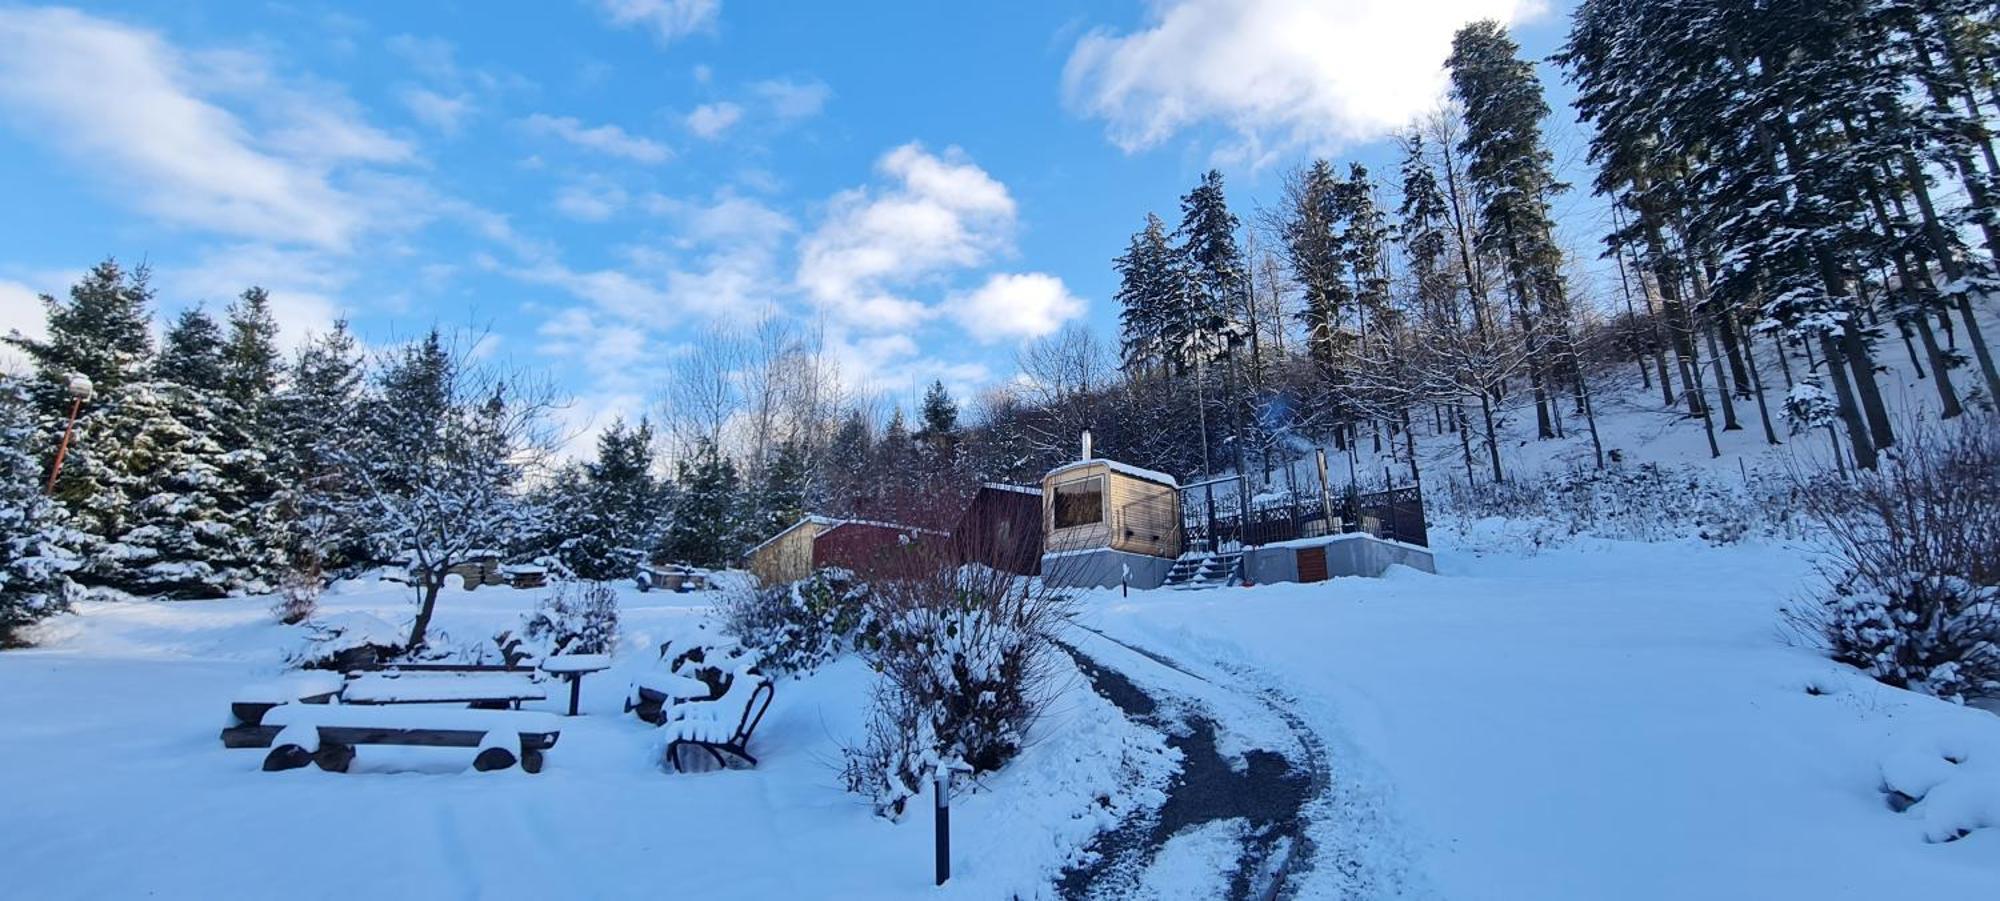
[1104, 568]
[1346, 555]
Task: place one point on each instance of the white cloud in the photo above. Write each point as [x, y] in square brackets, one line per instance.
[123, 100]
[1283, 72]
[606, 139]
[1013, 306]
[710, 120]
[446, 114]
[20, 311]
[790, 99]
[590, 201]
[667, 19]
[940, 213]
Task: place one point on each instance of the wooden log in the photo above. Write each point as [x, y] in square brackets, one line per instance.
[493, 759]
[286, 757]
[248, 736]
[531, 758]
[334, 758]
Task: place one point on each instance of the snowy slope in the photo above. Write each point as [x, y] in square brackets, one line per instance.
[1607, 720]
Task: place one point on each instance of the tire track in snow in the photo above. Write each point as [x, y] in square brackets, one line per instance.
[1269, 793]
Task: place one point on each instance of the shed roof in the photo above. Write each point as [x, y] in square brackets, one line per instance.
[1123, 469]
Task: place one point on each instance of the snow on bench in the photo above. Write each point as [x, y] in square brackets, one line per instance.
[433, 688]
[251, 702]
[327, 734]
[576, 663]
[722, 726]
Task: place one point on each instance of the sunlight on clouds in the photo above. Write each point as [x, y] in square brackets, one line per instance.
[123, 99]
[941, 212]
[1014, 306]
[1280, 73]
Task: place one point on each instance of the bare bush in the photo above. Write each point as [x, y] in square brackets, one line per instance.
[1913, 578]
[299, 586]
[966, 659]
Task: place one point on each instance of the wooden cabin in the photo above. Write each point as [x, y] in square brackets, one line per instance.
[1103, 504]
[1001, 528]
[870, 549]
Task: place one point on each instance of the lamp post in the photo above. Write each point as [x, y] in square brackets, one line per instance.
[80, 390]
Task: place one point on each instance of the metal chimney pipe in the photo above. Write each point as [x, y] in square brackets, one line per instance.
[1086, 445]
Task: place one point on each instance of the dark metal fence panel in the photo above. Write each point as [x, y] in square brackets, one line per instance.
[1213, 520]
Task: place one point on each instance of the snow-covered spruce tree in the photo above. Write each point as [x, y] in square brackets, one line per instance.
[441, 477]
[780, 498]
[1511, 174]
[314, 420]
[34, 548]
[618, 506]
[1151, 291]
[1316, 251]
[102, 331]
[708, 526]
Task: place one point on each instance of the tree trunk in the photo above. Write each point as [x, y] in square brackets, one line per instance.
[1857, 431]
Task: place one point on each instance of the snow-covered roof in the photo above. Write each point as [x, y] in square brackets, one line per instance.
[1123, 469]
[1018, 489]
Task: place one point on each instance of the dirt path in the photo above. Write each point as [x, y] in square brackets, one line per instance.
[1266, 790]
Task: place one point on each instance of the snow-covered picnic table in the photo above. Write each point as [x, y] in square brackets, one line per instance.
[572, 668]
[486, 688]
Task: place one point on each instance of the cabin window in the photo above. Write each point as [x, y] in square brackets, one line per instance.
[1080, 503]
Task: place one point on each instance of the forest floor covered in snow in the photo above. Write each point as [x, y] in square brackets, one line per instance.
[1604, 719]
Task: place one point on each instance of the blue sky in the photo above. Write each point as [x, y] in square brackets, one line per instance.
[596, 181]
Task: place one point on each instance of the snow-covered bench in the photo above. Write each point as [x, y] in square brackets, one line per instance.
[326, 734]
[722, 726]
[307, 687]
[490, 688]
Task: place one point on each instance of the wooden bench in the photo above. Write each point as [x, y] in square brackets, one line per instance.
[309, 687]
[488, 688]
[326, 735]
[722, 726]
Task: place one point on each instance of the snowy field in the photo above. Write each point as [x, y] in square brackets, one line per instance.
[115, 784]
[1604, 720]
[1609, 720]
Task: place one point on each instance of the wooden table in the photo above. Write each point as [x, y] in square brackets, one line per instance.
[572, 668]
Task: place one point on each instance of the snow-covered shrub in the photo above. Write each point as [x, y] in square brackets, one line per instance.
[346, 640]
[575, 618]
[1646, 502]
[965, 661]
[1913, 578]
[800, 626]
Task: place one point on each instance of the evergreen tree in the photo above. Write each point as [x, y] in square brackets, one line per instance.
[1215, 270]
[1152, 291]
[616, 526]
[35, 556]
[192, 352]
[250, 362]
[1511, 172]
[781, 498]
[707, 528]
[102, 332]
[838, 489]
[313, 421]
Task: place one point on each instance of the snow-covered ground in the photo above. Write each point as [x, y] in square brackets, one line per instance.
[1600, 720]
[1605, 720]
[113, 783]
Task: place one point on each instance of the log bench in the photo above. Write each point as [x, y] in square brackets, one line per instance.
[327, 735]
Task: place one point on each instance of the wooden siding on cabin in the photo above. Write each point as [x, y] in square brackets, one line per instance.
[786, 558]
[1140, 516]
